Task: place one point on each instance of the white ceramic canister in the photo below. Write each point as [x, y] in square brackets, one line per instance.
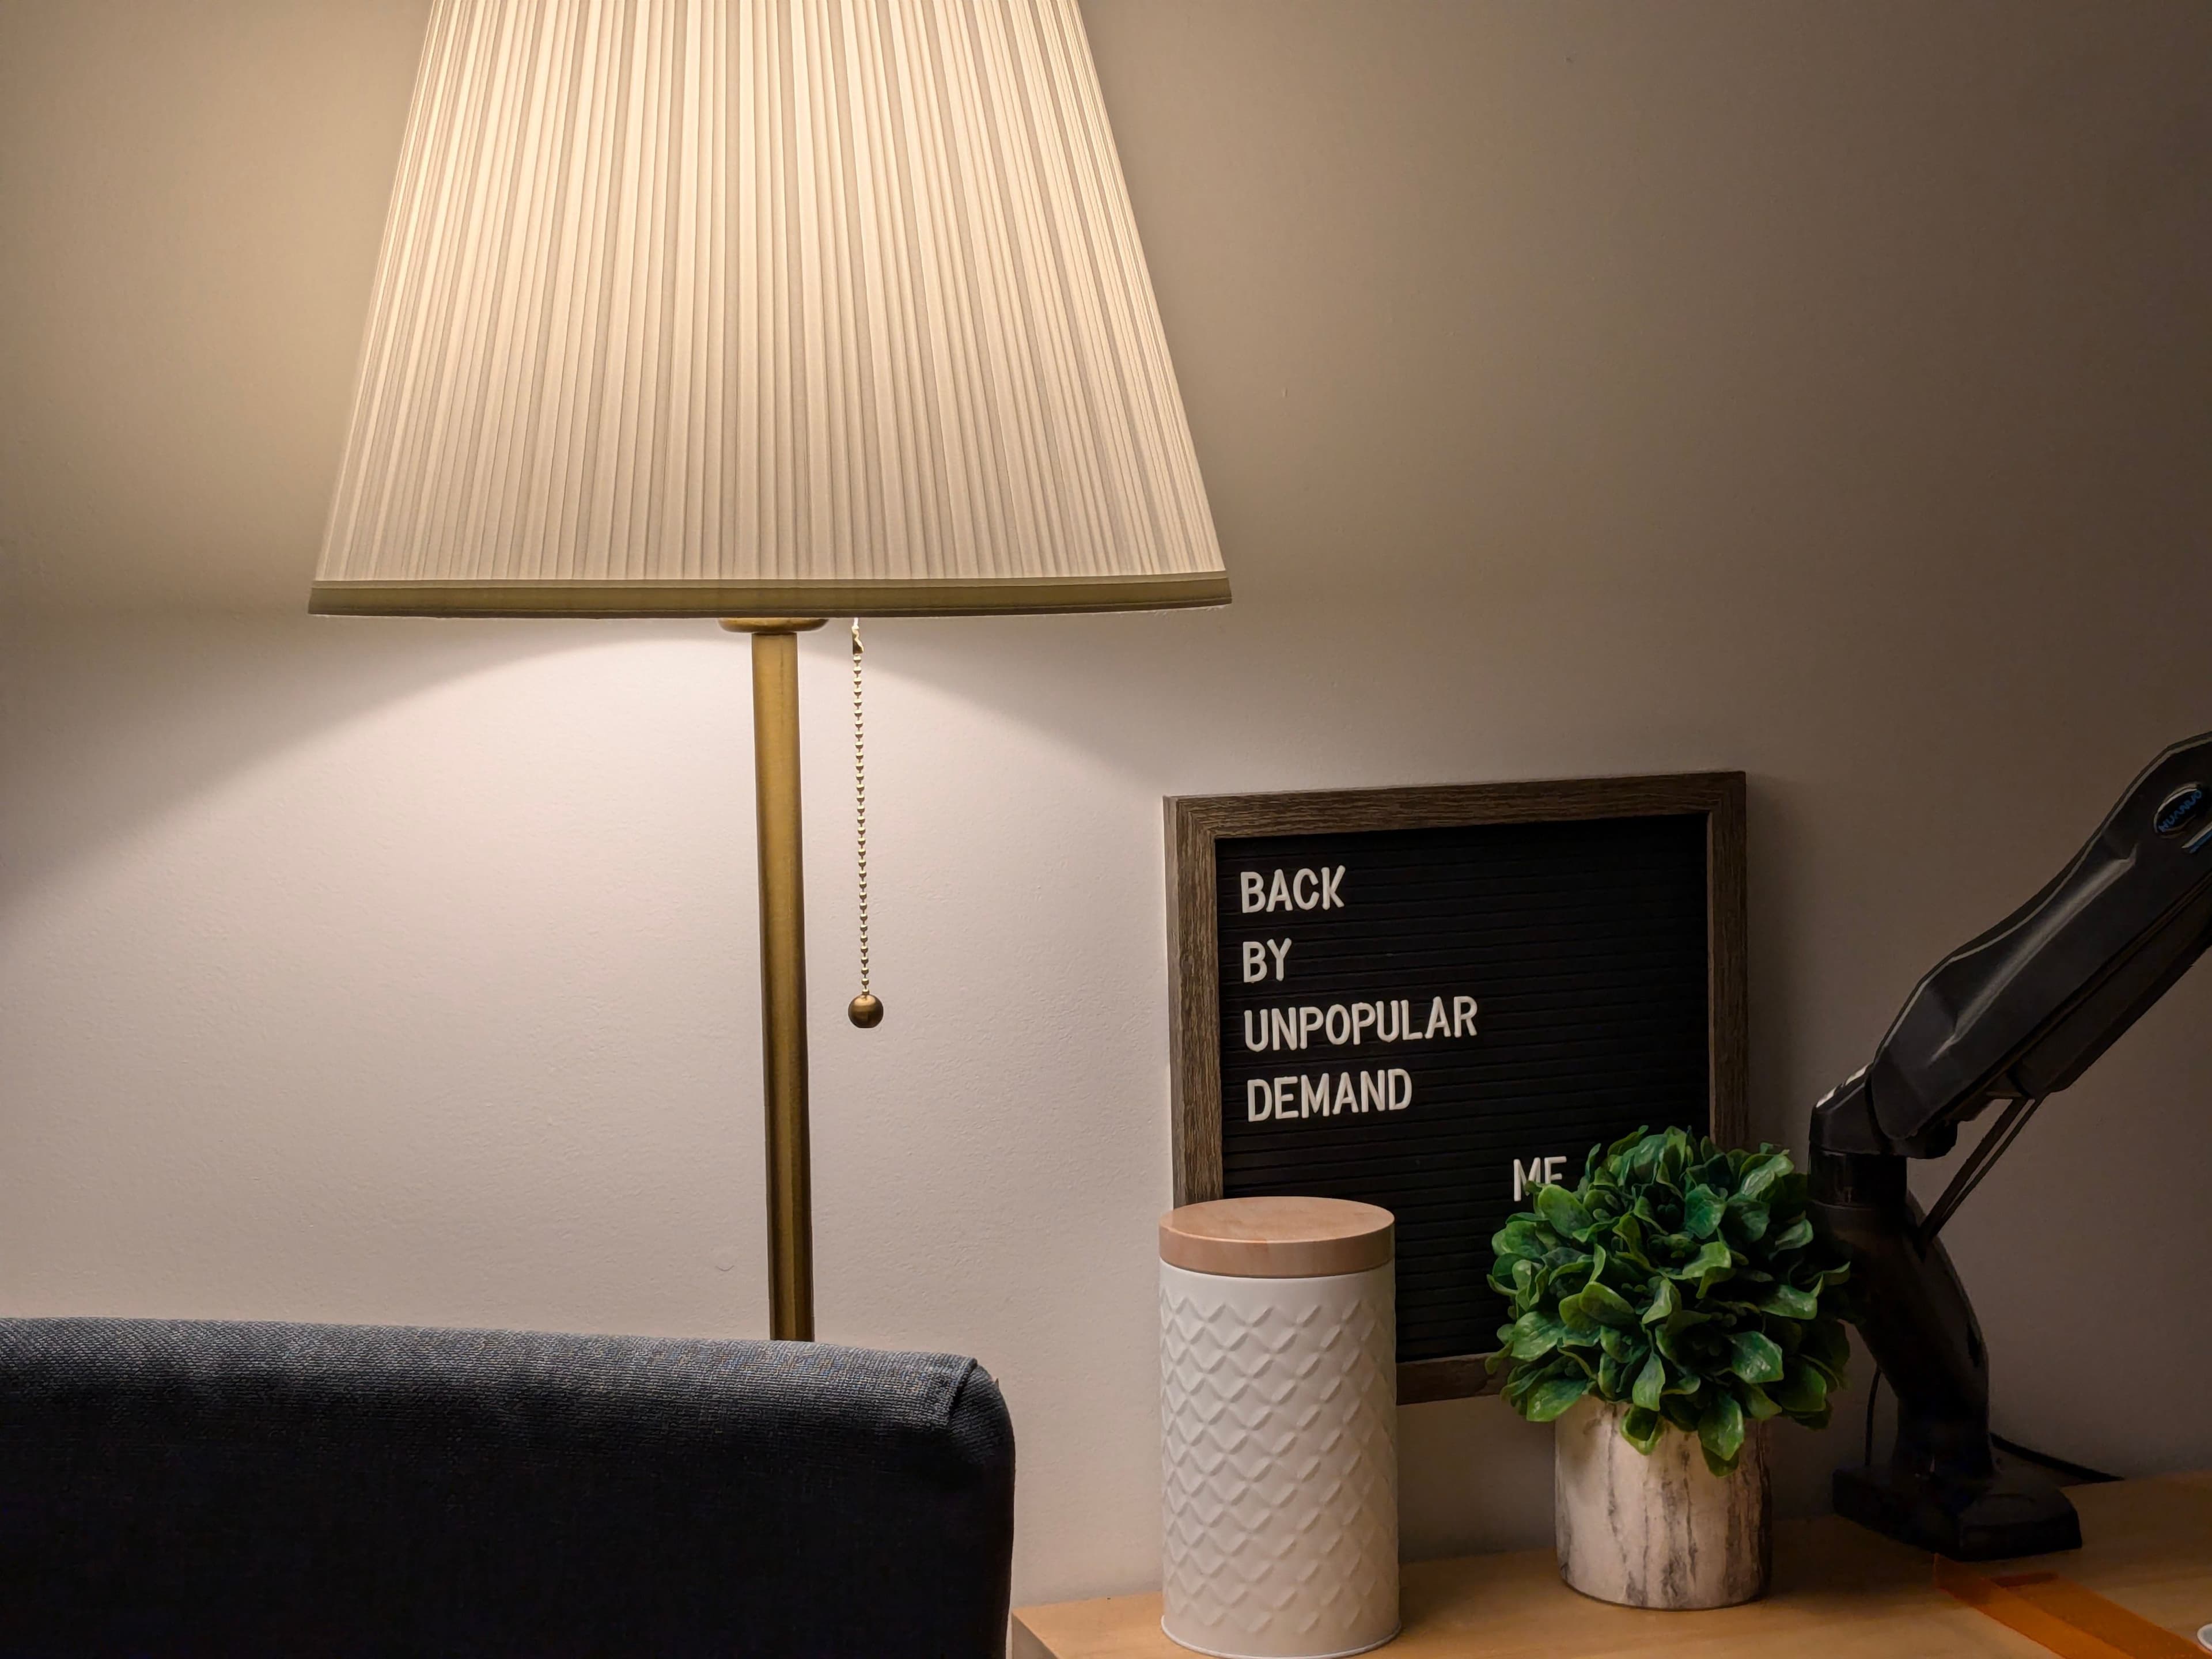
[1279, 1419]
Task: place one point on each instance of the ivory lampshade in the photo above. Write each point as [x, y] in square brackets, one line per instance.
[763, 308]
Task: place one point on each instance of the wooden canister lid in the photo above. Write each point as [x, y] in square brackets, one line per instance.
[1278, 1237]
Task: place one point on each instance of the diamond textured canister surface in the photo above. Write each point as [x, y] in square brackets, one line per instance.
[1280, 1489]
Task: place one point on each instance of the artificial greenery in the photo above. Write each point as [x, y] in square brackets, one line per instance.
[1680, 1278]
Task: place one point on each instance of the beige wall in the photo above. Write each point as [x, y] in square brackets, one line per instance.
[1819, 390]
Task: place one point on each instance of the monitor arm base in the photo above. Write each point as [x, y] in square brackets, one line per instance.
[1969, 1518]
[2014, 1016]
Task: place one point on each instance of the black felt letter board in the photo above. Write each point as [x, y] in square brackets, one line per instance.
[1435, 1018]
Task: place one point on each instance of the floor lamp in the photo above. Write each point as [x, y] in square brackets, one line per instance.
[765, 310]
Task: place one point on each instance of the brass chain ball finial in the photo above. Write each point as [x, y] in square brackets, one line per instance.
[864, 1011]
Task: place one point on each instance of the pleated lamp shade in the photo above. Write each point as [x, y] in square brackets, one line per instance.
[764, 308]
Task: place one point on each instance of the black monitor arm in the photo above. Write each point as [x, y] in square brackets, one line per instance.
[2014, 1017]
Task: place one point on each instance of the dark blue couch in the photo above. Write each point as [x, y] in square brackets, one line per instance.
[172, 1488]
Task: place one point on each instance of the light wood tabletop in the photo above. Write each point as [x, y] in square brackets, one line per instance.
[1839, 1593]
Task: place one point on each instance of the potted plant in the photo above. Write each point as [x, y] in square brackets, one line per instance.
[1665, 1308]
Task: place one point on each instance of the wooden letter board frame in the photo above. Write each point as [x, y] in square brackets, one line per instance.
[1196, 824]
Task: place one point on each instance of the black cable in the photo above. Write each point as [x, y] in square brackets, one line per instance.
[1874, 1393]
[1977, 1165]
[1991, 1148]
[2080, 1472]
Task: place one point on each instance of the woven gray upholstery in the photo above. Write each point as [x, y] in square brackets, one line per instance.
[177, 1487]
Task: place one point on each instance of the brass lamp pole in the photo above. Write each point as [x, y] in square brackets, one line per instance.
[782, 970]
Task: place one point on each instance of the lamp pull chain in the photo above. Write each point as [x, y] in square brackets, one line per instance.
[865, 1011]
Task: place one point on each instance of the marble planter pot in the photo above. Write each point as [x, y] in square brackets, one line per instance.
[1661, 1531]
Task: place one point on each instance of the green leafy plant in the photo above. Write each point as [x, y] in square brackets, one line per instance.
[1680, 1278]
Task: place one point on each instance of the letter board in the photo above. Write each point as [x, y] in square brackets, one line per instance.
[1432, 998]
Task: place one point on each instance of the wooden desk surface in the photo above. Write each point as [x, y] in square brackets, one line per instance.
[1839, 1592]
